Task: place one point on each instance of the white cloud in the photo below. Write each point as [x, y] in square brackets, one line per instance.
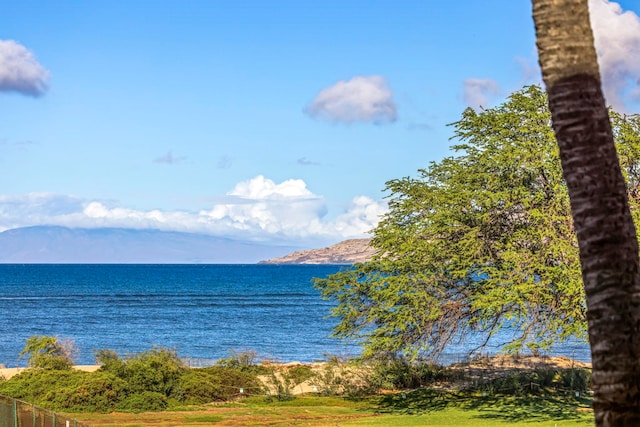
[478, 91]
[258, 209]
[19, 70]
[260, 206]
[361, 99]
[361, 216]
[35, 208]
[617, 40]
[263, 188]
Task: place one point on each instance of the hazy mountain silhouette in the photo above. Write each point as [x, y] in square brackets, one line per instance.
[52, 244]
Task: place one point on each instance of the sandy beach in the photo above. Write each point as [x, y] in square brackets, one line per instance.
[7, 373]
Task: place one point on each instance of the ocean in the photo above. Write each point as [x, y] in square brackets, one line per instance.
[204, 312]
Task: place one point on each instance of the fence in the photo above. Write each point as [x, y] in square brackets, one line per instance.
[15, 413]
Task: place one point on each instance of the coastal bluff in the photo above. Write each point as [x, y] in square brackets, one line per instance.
[346, 252]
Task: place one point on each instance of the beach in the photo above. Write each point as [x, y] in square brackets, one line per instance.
[7, 373]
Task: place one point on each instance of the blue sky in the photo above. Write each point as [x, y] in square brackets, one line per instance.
[277, 121]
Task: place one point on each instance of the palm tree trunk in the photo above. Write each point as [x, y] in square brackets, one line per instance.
[600, 208]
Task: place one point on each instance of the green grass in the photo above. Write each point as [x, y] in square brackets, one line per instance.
[453, 409]
[418, 408]
[458, 418]
[203, 419]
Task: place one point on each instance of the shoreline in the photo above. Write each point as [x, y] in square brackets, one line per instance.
[494, 362]
[7, 373]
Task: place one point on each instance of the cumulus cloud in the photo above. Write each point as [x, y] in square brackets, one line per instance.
[617, 40]
[361, 99]
[477, 92]
[264, 188]
[361, 216]
[20, 71]
[35, 209]
[258, 209]
[261, 206]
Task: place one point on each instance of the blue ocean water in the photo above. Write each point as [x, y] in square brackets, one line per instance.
[204, 312]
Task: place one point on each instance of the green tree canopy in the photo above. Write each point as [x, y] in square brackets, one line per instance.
[479, 242]
[48, 352]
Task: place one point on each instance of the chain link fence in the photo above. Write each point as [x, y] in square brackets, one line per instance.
[15, 413]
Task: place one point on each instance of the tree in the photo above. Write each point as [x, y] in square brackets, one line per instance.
[602, 218]
[48, 352]
[480, 242]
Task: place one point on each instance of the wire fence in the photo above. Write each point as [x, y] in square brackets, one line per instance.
[16, 413]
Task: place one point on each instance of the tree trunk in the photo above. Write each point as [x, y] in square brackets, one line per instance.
[600, 208]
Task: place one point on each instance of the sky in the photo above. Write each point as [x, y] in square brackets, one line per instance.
[270, 121]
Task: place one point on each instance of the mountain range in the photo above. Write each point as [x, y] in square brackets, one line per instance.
[63, 245]
[53, 244]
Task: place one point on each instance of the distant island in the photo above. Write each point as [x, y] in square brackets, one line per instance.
[346, 252]
[62, 245]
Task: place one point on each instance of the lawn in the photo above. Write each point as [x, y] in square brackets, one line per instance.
[419, 408]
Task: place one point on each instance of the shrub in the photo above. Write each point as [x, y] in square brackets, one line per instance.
[400, 373]
[73, 391]
[197, 387]
[299, 374]
[143, 382]
[109, 361]
[545, 377]
[280, 386]
[243, 361]
[239, 360]
[540, 381]
[145, 401]
[575, 379]
[339, 376]
[281, 380]
[36, 385]
[230, 381]
[156, 370]
[49, 352]
[98, 392]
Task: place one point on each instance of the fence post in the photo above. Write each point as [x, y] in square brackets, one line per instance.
[11, 409]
